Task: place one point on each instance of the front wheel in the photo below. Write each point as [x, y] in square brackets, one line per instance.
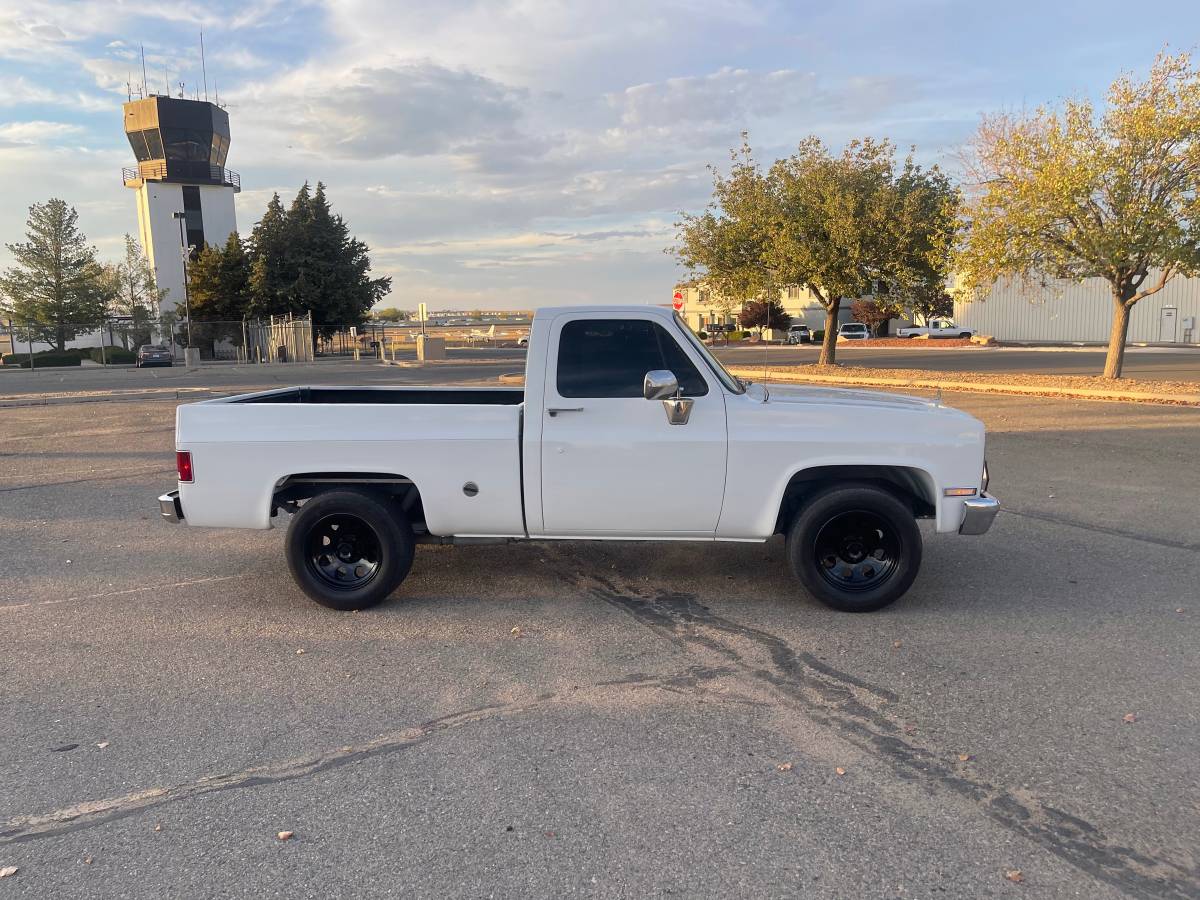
[349, 549]
[855, 547]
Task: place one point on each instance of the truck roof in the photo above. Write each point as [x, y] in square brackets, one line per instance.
[665, 312]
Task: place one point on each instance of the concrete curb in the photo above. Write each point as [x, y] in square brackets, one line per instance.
[417, 364]
[974, 387]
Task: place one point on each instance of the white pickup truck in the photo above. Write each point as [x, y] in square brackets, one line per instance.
[937, 328]
[627, 429]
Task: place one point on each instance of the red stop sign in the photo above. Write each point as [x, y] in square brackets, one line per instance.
[677, 302]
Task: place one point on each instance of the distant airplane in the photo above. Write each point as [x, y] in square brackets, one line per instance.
[478, 335]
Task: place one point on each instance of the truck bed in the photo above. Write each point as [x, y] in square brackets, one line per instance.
[483, 396]
[439, 438]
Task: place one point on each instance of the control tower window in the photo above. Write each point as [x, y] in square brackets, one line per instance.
[186, 144]
[137, 140]
[153, 143]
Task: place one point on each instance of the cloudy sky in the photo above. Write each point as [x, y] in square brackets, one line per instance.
[520, 153]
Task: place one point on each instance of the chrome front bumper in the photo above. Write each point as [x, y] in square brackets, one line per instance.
[170, 508]
[978, 513]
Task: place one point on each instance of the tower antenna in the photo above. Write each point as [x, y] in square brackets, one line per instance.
[166, 80]
[203, 70]
[144, 82]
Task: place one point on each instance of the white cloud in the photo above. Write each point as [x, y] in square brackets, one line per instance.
[413, 108]
[36, 133]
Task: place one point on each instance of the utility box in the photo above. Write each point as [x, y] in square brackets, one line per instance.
[429, 348]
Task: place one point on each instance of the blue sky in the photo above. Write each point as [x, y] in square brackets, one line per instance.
[529, 152]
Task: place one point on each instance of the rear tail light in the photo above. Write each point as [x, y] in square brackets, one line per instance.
[183, 462]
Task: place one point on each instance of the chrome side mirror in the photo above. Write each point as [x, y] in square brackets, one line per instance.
[659, 384]
[662, 384]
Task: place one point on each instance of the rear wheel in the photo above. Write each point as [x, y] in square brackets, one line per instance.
[349, 549]
[855, 547]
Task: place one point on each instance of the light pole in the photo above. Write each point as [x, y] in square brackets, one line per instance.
[187, 299]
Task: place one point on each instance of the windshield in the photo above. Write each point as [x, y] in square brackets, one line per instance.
[730, 382]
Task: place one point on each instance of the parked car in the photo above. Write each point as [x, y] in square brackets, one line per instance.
[853, 331]
[799, 334]
[627, 428]
[152, 355]
[937, 328]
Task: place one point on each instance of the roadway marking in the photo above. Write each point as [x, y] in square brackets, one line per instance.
[138, 590]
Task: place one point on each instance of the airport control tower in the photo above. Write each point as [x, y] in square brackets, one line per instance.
[180, 147]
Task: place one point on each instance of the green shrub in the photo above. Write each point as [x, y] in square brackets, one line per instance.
[703, 335]
[45, 360]
[113, 355]
[737, 335]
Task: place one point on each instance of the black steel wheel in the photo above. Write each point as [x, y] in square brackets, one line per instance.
[856, 551]
[343, 552]
[855, 547]
[349, 549]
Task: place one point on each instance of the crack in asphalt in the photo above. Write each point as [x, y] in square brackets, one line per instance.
[1101, 529]
[850, 706]
[92, 813]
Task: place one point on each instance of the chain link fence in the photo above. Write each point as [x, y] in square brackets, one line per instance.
[275, 339]
[116, 340]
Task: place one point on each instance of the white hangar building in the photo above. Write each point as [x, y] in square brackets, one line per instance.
[1067, 312]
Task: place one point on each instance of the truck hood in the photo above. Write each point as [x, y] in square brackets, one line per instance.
[847, 397]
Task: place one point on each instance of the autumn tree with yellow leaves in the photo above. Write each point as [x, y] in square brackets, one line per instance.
[1074, 193]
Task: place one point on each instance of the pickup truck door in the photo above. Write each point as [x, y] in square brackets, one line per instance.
[611, 462]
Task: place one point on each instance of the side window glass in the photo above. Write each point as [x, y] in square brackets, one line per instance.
[690, 379]
[610, 358]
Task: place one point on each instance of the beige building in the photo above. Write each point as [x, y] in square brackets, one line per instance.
[701, 308]
[1067, 312]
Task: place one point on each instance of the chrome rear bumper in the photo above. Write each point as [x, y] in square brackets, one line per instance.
[978, 513]
[170, 508]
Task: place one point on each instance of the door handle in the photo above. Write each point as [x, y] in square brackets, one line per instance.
[555, 410]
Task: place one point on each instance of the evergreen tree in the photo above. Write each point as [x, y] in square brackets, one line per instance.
[219, 282]
[56, 290]
[305, 260]
[271, 277]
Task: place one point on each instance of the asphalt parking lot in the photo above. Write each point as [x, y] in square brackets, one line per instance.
[665, 720]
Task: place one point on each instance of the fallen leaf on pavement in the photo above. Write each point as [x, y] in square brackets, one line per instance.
[87, 860]
[1129, 718]
[1014, 875]
[784, 767]
[8, 870]
[516, 632]
[102, 744]
[285, 835]
[300, 652]
[897, 644]
[840, 770]
[964, 757]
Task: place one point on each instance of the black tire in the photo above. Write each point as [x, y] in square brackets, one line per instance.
[855, 547]
[363, 568]
[965, 334]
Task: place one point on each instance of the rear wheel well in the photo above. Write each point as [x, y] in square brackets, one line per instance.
[293, 491]
[913, 487]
